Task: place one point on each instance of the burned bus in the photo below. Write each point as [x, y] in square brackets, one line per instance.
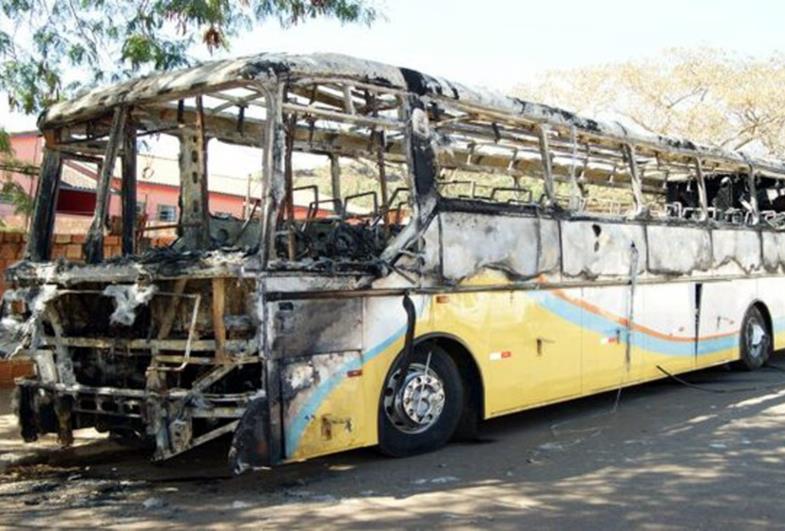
[508, 255]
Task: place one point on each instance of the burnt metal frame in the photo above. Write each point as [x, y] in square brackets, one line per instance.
[554, 147]
[548, 144]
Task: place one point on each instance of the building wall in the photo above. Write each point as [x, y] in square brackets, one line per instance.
[153, 195]
[28, 147]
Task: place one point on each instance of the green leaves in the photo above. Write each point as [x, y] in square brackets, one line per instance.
[10, 190]
[289, 12]
[5, 143]
[14, 193]
[141, 50]
[5, 42]
[28, 85]
[138, 49]
[52, 48]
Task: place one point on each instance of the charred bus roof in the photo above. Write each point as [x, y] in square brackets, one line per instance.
[270, 67]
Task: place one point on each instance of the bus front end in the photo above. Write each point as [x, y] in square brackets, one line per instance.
[168, 357]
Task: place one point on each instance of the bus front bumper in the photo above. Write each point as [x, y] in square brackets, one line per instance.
[164, 419]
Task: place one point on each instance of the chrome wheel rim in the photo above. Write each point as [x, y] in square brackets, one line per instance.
[419, 402]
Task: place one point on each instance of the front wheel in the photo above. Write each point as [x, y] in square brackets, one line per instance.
[756, 341]
[424, 412]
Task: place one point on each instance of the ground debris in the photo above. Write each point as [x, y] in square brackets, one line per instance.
[551, 446]
[436, 481]
[239, 504]
[31, 486]
[153, 503]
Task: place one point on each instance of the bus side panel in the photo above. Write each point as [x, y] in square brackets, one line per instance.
[771, 291]
[663, 333]
[531, 346]
[324, 411]
[723, 305]
[604, 313]
[549, 344]
[526, 354]
[666, 328]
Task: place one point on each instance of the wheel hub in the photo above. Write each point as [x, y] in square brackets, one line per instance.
[419, 401]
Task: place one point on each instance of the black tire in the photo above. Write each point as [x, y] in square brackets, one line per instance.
[399, 435]
[755, 341]
[468, 429]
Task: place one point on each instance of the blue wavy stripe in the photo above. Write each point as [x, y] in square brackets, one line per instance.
[608, 328]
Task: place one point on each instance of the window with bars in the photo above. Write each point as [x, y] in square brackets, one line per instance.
[166, 213]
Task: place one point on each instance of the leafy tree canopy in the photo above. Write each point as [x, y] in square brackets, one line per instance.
[51, 48]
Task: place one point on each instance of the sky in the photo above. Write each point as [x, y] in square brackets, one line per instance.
[501, 43]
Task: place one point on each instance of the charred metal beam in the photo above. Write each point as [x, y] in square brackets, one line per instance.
[423, 167]
[177, 345]
[335, 178]
[129, 190]
[194, 209]
[547, 168]
[576, 191]
[385, 206]
[635, 179]
[40, 239]
[94, 246]
[703, 201]
[273, 188]
[218, 310]
[288, 174]
[753, 187]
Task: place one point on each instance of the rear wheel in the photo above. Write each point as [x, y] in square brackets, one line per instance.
[755, 341]
[424, 412]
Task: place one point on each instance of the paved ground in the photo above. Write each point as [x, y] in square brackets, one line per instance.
[669, 457]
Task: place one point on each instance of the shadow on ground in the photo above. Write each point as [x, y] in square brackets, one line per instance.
[669, 456]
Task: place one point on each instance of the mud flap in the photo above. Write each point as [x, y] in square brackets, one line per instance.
[250, 448]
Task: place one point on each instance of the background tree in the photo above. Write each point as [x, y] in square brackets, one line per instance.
[51, 48]
[706, 95]
[10, 189]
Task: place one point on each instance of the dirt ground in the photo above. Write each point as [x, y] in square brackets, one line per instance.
[670, 456]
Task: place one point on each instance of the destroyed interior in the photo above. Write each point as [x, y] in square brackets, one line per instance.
[287, 329]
